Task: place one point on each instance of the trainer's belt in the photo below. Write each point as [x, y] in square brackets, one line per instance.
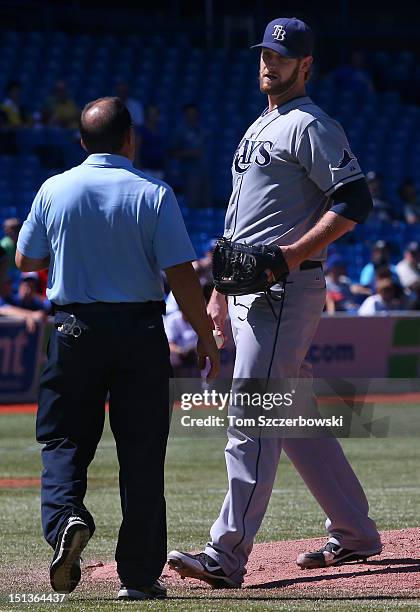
[151, 307]
[310, 265]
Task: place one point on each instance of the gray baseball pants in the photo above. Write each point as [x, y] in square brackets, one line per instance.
[266, 348]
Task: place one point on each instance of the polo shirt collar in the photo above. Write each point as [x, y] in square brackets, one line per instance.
[108, 159]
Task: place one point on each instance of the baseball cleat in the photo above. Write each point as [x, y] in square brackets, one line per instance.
[333, 554]
[156, 591]
[201, 567]
[65, 569]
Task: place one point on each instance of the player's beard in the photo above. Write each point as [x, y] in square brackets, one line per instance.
[279, 88]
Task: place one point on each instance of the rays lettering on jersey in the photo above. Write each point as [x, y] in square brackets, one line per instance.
[252, 152]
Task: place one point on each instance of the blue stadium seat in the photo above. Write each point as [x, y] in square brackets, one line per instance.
[5, 208]
[7, 162]
[411, 232]
[382, 132]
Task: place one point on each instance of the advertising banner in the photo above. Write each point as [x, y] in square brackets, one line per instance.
[19, 361]
[357, 347]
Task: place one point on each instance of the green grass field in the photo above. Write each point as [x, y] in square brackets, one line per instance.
[196, 483]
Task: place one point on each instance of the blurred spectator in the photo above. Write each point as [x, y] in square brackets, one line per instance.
[388, 297]
[43, 282]
[8, 309]
[354, 75]
[415, 294]
[410, 201]
[14, 113]
[28, 296]
[8, 142]
[408, 269]
[204, 268]
[380, 258]
[134, 106]
[339, 288]
[60, 109]
[203, 265]
[382, 209]
[189, 148]
[182, 344]
[6, 291]
[171, 303]
[183, 340]
[12, 117]
[11, 228]
[151, 148]
[4, 264]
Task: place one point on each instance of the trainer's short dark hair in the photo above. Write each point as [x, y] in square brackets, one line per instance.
[105, 132]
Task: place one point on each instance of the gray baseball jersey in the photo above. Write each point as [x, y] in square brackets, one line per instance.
[288, 163]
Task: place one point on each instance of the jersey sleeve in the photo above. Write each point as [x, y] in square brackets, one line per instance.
[33, 241]
[323, 150]
[171, 242]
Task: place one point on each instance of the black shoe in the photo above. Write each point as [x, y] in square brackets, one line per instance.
[65, 569]
[333, 554]
[156, 591]
[202, 567]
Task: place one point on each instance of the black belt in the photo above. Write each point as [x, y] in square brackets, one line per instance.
[142, 307]
[310, 265]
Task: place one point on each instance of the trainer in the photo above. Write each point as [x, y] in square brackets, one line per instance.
[106, 230]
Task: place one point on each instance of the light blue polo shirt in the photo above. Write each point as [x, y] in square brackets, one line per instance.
[109, 229]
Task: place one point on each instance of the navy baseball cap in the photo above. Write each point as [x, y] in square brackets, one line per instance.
[288, 36]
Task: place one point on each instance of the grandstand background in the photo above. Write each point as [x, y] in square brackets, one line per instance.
[179, 54]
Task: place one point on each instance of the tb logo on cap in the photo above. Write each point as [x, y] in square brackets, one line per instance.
[279, 33]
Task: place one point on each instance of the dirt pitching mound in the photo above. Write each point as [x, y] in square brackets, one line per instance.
[19, 483]
[272, 565]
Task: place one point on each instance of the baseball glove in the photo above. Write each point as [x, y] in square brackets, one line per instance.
[239, 269]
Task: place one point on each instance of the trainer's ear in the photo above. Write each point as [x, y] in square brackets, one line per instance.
[82, 144]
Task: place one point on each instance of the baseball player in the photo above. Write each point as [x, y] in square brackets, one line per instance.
[102, 229]
[296, 188]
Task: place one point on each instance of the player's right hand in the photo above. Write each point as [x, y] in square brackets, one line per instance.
[217, 310]
[207, 349]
